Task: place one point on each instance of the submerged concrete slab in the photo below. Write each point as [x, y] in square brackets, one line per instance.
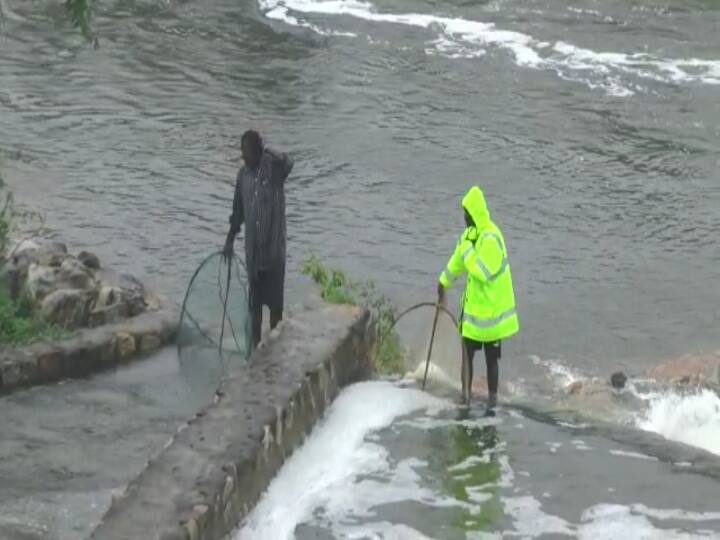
[218, 465]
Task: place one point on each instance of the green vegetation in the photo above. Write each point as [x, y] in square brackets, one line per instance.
[4, 223]
[79, 12]
[19, 323]
[481, 475]
[5, 220]
[336, 288]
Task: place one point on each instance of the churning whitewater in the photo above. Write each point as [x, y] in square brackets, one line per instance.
[354, 468]
[464, 38]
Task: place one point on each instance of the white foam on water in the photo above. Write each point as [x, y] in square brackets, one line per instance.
[384, 530]
[429, 423]
[470, 461]
[531, 521]
[581, 445]
[553, 446]
[452, 49]
[559, 374]
[281, 13]
[463, 38]
[611, 521]
[633, 386]
[585, 11]
[435, 374]
[603, 521]
[680, 515]
[479, 535]
[478, 495]
[322, 472]
[339, 477]
[400, 483]
[691, 419]
[572, 426]
[634, 455]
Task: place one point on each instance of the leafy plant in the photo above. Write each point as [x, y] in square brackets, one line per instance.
[19, 324]
[5, 215]
[19, 321]
[80, 12]
[337, 288]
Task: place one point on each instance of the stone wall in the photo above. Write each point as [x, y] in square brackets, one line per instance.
[109, 317]
[218, 465]
[86, 351]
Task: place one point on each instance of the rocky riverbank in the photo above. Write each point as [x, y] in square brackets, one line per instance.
[102, 317]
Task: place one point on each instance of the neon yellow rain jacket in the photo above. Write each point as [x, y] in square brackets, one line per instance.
[489, 303]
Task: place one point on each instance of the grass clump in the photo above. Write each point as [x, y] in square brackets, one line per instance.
[19, 322]
[20, 325]
[337, 288]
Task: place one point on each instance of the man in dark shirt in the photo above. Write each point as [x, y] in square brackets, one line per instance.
[259, 204]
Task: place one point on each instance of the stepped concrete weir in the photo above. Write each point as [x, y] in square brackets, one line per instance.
[217, 466]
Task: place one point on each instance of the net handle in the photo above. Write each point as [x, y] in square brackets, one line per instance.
[396, 320]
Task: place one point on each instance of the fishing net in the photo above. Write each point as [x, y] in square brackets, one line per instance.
[445, 361]
[214, 321]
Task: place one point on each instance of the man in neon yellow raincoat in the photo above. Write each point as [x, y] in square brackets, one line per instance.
[488, 310]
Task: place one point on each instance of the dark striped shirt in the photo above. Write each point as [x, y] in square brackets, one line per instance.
[259, 204]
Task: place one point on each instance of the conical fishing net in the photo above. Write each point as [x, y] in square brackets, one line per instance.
[215, 315]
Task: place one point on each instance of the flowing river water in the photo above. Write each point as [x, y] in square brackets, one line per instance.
[593, 128]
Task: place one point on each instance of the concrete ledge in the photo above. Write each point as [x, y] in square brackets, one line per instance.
[85, 351]
[219, 464]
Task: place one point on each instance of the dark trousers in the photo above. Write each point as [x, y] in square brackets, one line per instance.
[493, 352]
[266, 289]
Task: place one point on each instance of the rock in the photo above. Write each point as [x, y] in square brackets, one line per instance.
[25, 246]
[10, 281]
[687, 369]
[56, 261]
[67, 308]
[41, 280]
[75, 275]
[43, 253]
[153, 302]
[108, 315]
[51, 275]
[49, 363]
[44, 279]
[89, 259]
[575, 387]
[10, 374]
[27, 254]
[125, 345]
[108, 296]
[150, 343]
[130, 291]
[618, 380]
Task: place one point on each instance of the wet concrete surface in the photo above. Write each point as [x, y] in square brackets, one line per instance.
[219, 464]
[65, 448]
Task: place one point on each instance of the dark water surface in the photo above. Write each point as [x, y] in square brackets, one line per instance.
[600, 164]
[593, 128]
